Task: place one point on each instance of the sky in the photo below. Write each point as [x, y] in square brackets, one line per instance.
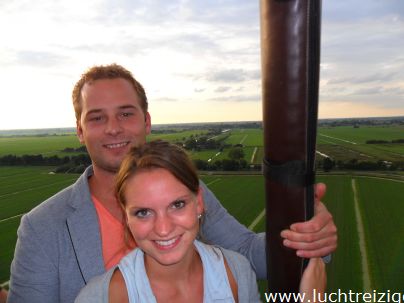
[199, 60]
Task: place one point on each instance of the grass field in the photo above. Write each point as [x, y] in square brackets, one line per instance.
[243, 196]
[180, 135]
[340, 143]
[361, 134]
[53, 145]
[382, 205]
[339, 201]
[47, 146]
[22, 188]
[344, 142]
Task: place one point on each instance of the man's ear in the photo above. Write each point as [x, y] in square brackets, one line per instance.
[200, 207]
[79, 132]
[148, 123]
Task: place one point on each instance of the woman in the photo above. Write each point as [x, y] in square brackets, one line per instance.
[158, 188]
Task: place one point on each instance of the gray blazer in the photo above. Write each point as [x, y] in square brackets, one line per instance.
[59, 246]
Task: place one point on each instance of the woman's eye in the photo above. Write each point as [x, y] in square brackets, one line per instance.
[178, 204]
[142, 213]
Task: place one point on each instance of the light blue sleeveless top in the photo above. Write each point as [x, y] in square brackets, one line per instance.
[215, 281]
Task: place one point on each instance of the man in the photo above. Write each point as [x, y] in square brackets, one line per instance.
[79, 233]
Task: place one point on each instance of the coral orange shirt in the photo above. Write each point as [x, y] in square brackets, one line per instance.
[114, 247]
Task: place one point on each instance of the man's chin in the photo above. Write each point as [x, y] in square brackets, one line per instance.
[112, 168]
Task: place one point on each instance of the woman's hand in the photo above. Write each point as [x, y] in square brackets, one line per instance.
[314, 278]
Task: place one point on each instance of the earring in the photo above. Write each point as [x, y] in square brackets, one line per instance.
[199, 216]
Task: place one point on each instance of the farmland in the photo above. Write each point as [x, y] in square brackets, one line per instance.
[243, 196]
[385, 228]
[45, 145]
[379, 199]
[342, 143]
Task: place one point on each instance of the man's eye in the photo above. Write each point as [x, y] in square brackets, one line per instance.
[126, 114]
[178, 204]
[95, 118]
[142, 213]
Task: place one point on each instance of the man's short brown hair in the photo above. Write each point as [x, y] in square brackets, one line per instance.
[100, 72]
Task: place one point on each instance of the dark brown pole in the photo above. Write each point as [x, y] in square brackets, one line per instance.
[290, 49]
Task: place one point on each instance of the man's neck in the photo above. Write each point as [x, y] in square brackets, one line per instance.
[101, 185]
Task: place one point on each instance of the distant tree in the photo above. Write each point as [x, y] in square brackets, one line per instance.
[217, 165]
[328, 164]
[190, 144]
[230, 164]
[201, 164]
[236, 153]
[243, 163]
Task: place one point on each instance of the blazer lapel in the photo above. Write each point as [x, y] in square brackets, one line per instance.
[84, 232]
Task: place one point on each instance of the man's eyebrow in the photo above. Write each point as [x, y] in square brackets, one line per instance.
[129, 106]
[99, 110]
[93, 111]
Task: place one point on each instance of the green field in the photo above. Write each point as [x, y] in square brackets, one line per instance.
[347, 142]
[384, 230]
[339, 201]
[175, 136]
[23, 188]
[247, 137]
[243, 196]
[35, 145]
[54, 144]
[361, 134]
[340, 143]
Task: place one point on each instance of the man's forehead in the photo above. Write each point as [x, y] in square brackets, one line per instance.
[110, 87]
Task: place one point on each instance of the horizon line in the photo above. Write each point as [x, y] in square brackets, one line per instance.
[212, 122]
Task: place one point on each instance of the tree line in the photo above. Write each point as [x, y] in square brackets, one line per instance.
[374, 141]
[328, 164]
[73, 164]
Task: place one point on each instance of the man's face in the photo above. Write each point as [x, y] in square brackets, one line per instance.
[112, 121]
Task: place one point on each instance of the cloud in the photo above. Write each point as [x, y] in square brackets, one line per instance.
[164, 99]
[238, 98]
[233, 75]
[222, 89]
[230, 75]
[39, 59]
[377, 77]
[342, 11]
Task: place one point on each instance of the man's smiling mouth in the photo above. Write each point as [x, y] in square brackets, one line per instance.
[116, 145]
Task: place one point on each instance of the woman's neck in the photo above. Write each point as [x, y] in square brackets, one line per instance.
[180, 270]
[180, 282]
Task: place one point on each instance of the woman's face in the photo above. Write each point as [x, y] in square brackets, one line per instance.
[162, 215]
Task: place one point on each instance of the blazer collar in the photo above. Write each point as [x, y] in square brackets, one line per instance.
[84, 230]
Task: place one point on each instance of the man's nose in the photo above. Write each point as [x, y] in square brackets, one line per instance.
[113, 126]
